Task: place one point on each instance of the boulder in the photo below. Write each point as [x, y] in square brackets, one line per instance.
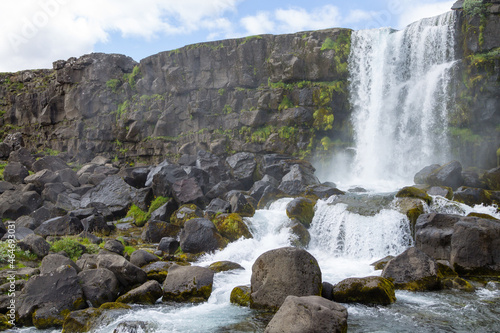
[136, 177]
[327, 291]
[188, 284]
[51, 191]
[445, 192]
[413, 270]
[224, 266]
[35, 244]
[215, 206]
[60, 226]
[47, 299]
[433, 234]
[164, 212]
[231, 226]
[141, 258]
[243, 167]
[127, 274]
[259, 186]
[41, 178]
[322, 191]
[53, 261]
[200, 235]
[472, 196]
[185, 213]
[147, 293]
[115, 246]
[5, 150]
[223, 187]
[96, 223]
[421, 176]
[14, 204]
[471, 179]
[68, 176]
[301, 236]
[492, 179]
[6, 186]
[413, 192]
[475, 247]
[213, 165]
[52, 163]
[313, 314]
[282, 272]
[15, 173]
[372, 290]
[296, 181]
[448, 175]
[99, 286]
[81, 321]
[187, 191]
[87, 261]
[240, 295]
[165, 178]
[240, 204]
[23, 156]
[301, 209]
[20, 233]
[168, 245]
[158, 270]
[154, 231]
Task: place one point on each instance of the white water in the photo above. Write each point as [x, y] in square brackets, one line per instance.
[399, 92]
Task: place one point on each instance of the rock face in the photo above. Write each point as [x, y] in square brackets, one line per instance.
[312, 314]
[282, 272]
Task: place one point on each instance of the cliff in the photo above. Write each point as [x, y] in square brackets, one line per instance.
[261, 93]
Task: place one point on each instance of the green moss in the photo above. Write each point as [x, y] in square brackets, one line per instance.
[241, 296]
[113, 85]
[141, 217]
[249, 38]
[132, 77]
[231, 226]
[413, 192]
[286, 103]
[194, 295]
[115, 306]
[474, 7]
[72, 247]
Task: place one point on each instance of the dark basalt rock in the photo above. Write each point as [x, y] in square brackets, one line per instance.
[200, 235]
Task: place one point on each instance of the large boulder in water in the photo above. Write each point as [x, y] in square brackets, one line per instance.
[279, 273]
[312, 314]
[147, 293]
[200, 235]
[433, 234]
[188, 284]
[448, 175]
[231, 226]
[413, 270]
[421, 176]
[301, 209]
[99, 286]
[372, 290]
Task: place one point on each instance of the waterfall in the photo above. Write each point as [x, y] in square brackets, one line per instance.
[400, 95]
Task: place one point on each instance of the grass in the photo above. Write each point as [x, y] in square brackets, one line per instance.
[140, 217]
[73, 247]
[6, 251]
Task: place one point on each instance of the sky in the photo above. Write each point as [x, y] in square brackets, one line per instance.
[35, 33]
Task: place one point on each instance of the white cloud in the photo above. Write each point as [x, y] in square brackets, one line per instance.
[37, 32]
[415, 12]
[258, 24]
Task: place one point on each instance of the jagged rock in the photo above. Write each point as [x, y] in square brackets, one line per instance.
[87, 261]
[187, 191]
[46, 299]
[115, 246]
[442, 191]
[60, 226]
[158, 270]
[185, 213]
[471, 179]
[380, 264]
[5, 150]
[168, 245]
[240, 204]
[35, 244]
[224, 266]
[270, 194]
[372, 290]
[296, 181]
[15, 173]
[217, 205]
[23, 156]
[141, 258]
[413, 270]
[164, 212]
[20, 233]
[448, 175]
[259, 186]
[52, 261]
[421, 176]
[154, 231]
[51, 191]
[474, 246]
[6, 186]
[472, 196]
[68, 176]
[53, 163]
[42, 177]
[282, 272]
[164, 179]
[301, 209]
[136, 177]
[96, 223]
[147, 293]
[231, 226]
[223, 187]
[200, 235]
[99, 286]
[188, 284]
[433, 234]
[313, 314]
[322, 191]
[127, 274]
[213, 165]
[243, 166]
[240, 295]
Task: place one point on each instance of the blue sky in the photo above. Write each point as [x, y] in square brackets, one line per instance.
[34, 33]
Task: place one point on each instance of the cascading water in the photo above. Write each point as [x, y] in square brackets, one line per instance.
[399, 92]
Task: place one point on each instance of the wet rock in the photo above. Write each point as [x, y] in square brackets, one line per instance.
[471, 179]
[131, 327]
[472, 196]
[313, 314]
[217, 205]
[301, 234]
[372, 290]
[35, 244]
[46, 299]
[448, 175]
[60, 226]
[188, 284]
[327, 291]
[323, 191]
[231, 226]
[224, 266]
[282, 272]
[154, 231]
[240, 204]
[168, 245]
[492, 179]
[380, 264]
[158, 270]
[442, 191]
[81, 320]
[259, 186]
[136, 177]
[15, 173]
[243, 167]
[147, 293]
[413, 192]
[127, 274]
[421, 176]
[296, 181]
[141, 258]
[413, 270]
[301, 209]
[240, 295]
[200, 235]
[99, 286]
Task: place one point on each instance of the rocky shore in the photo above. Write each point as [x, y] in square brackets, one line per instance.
[100, 236]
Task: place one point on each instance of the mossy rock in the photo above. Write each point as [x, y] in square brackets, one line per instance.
[414, 192]
[412, 208]
[224, 266]
[472, 196]
[483, 216]
[159, 270]
[301, 236]
[458, 283]
[185, 213]
[241, 296]
[198, 295]
[372, 290]
[301, 209]
[231, 226]
[81, 321]
[445, 269]
[4, 323]
[492, 179]
[115, 306]
[380, 264]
